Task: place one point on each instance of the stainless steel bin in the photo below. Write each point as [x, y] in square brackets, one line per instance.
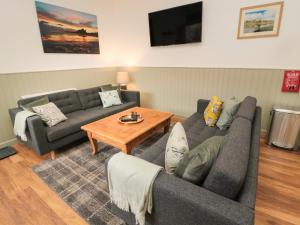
[284, 128]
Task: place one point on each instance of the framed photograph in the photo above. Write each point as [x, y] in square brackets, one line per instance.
[67, 31]
[260, 21]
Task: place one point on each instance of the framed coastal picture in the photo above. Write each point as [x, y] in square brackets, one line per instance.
[67, 31]
[260, 21]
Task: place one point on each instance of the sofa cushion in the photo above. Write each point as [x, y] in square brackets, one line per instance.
[80, 118]
[176, 147]
[229, 109]
[108, 88]
[196, 164]
[50, 114]
[213, 111]
[67, 101]
[247, 108]
[89, 98]
[110, 98]
[227, 175]
[196, 132]
[72, 125]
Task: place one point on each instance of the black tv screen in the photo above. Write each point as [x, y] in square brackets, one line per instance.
[177, 25]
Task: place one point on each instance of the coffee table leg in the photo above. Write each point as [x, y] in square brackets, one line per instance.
[127, 149]
[167, 127]
[94, 144]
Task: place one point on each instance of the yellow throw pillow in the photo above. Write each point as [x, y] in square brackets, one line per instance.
[213, 111]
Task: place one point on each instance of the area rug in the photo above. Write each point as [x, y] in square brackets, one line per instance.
[79, 179]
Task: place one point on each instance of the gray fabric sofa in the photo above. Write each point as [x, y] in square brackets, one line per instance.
[81, 107]
[227, 195]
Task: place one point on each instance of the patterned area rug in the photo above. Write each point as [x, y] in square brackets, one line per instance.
[79, 179]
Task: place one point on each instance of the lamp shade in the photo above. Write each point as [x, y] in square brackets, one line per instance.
[122, 78]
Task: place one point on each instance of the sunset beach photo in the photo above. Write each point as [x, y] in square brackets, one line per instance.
[67, 31]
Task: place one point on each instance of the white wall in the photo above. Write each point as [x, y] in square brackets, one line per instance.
[20, 42]
[219, 47]
[124, 38]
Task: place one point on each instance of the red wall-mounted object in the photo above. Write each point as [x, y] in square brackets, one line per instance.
[291, 81]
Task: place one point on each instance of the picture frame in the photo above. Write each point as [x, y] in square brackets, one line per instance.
[68, 31]
[260, 21]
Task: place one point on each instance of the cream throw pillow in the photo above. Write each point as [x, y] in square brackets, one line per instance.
[177, 146]
[50, 114]
[110, 98]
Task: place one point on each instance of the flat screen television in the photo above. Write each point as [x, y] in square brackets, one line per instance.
[179, 25]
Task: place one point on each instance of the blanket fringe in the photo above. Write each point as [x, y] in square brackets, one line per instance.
[123, 203]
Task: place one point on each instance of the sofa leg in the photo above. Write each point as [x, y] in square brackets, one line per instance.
[53, 155]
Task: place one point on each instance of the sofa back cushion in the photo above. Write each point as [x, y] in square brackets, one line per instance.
[227, 175]
[247, 108]
[89, 98]
[67, 101]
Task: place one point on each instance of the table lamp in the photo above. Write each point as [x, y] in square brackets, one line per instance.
[122, 80]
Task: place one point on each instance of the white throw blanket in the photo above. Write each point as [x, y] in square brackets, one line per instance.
[130, 181]
[20, 123]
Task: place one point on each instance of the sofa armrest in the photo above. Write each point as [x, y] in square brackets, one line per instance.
[12, 113]
[131, 96]
[201, 105]
[37, 130]
[177, 201]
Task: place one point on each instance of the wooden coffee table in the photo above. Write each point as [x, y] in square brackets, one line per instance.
[126, 136]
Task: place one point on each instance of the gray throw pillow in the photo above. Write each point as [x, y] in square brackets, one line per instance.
[177, 145]
[41, 101]
[196, 164]
[230, 108]
[50, 114]
[108, 88]
[110, 98]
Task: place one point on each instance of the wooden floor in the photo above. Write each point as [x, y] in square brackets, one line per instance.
[278, 194]
[25, 199]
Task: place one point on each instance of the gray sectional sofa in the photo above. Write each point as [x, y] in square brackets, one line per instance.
[227, 195]
[81, 107]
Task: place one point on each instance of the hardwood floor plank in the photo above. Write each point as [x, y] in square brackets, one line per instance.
[278, 193]
[265, 219]
[26, 199]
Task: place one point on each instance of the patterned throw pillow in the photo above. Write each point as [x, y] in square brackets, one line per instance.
[110, 98]
[50, 114]
[213, 111]
[177, 145]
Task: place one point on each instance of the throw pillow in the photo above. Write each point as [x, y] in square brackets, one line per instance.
[50, 114]
[213, 111]
[108, 88]
[110, 98]
[196, 164]
[230, 108]
[177, 145]
[41, 101]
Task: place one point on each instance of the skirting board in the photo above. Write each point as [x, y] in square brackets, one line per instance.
[8, 142]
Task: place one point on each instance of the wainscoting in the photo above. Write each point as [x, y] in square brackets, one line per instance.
[177, 89]
[12, 86]
[168, 89]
